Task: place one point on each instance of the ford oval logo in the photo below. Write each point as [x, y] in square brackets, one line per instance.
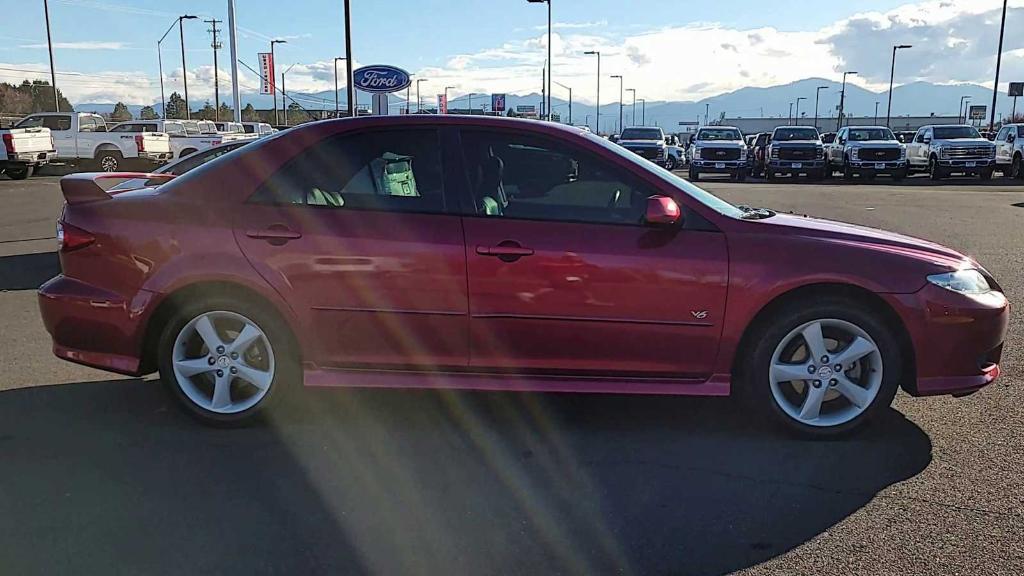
[381, 79]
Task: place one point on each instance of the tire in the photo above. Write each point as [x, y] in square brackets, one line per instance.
[847, 326]
[847, 170]
[769, 175]
[670, 163]
[694, 175]
[826, 174]
[20, 172]
[740, 175]
[1017, 168]
[935, 171]
[108, 161]
[985, 174]
[265, 365]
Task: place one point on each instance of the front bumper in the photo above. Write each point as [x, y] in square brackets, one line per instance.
[957, 339]
[888, 166]
[794, 166]
[652, 154]
[719, 167]
[92, 326]
[968, 165]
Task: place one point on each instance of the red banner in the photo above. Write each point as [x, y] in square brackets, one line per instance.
[267, 72]
[442, 104]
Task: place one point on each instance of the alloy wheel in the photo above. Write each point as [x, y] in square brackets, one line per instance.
[825, 372]
[223, 362]
[108, 164]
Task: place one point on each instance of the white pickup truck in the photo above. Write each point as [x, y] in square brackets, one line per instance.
[186, 136]
[945, 150]
[1010, 151]
[25, 150]
[82, 138]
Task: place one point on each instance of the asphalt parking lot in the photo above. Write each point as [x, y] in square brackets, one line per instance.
[103, 475]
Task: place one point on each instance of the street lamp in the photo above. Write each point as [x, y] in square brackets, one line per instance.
[337, 104]
[798, 109]
[570, 100]
[619, 76]
[446, 89]
[184, 69]
[842, 101]
[633, 112]
[284, 96]
[961, 112]
[419, 101]
[643, 111]
[49, 45]
[892, 73]
[999, 62]
[273, 61]
[876, 112]
[160, 62]
[817, 97]
[597, 124]
[550, 63]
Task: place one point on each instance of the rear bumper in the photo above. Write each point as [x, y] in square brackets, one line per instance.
[957, 339]
[30, 158]
[92, 326]
[156, 157]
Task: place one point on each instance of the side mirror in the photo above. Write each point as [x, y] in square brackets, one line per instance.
[1010, 138]
[662, 211]
[926, 140]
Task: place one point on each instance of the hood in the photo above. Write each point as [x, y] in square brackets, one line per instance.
[875, 143]
[964, 141]
[642, 142]
[797, 143]
[872, 238]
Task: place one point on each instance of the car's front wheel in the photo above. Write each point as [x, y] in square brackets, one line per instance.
[223, 360]
[670, 163]
[823, 370]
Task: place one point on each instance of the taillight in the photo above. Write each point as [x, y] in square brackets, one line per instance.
[140, 142]
[70, 238]
[9, 142]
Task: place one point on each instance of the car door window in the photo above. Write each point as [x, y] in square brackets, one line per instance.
[530, 177]
[382, 170]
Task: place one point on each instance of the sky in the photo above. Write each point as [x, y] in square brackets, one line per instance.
[106, 50]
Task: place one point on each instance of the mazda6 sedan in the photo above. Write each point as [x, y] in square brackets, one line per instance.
[499, 254]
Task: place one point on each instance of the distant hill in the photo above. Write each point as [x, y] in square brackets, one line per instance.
[917, 99]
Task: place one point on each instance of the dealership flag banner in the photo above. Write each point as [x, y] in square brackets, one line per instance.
[442, 104]
[497, 102]
[267, 72]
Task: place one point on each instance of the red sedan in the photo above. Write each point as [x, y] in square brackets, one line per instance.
[486, 253]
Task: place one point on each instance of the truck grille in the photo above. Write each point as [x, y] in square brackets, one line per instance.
[720, 154]
[650, 153]
[806, 153]
[971, 152]
[878, 154]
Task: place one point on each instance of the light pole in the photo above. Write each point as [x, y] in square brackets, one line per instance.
[961, 112]
[619, 76]
[892, 73]
[597, 123]
[49, 45]
[184, 69]
[790, 113]
[876, 111]
[284, 97]
[798, 109]
[707, 113]
[842, 101]
[273, 62]
[643, 111]
[232, 38]
[351, 91]
[817, 97]
[633, 112]
[419, 101]
[547, 106]
[337, 98]
[446, 89]
[570, 100]
[160, 60]
[999, 62]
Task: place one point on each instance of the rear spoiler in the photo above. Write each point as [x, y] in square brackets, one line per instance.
[85, 187]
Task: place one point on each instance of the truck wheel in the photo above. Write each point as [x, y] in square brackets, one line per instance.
[847, 170]
[741, 175]
[934, 170]
[670, 163]
[109, 160]
[985, 174]
[19, 172]
[1017, 168]
[694, 175]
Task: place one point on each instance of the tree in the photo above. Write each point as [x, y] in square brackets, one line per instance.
[147, 113]
[29, 97]
[120, 113]
[227, 113]
[175, 107]
[249, 113]
[206, 112]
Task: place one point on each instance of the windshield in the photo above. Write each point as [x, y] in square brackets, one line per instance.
[785, 134]
[191, 127]
[720, 134]
[955, 132]
[641, 134]
[865, 134]
[704, 197]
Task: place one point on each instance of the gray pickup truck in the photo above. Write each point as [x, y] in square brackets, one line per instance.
[719, 150]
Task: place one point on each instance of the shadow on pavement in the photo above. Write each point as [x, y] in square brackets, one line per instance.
[111, 477]
[27, 271]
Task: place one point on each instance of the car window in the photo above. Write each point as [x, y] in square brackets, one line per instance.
[127, 128]
[381, 170]
[87, 124]
[529, 177]
[719, 134]
[867, 134]
[55, 123]
[784, 134]
[641, 134]
[956, 132]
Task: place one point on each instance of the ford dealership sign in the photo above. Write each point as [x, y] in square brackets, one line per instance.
[381, 79]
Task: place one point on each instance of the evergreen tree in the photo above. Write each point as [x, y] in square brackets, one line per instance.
[120, 113]
[147, 113]
[249, 114]
[175, 107]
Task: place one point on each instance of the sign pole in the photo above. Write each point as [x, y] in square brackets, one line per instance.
[235, 100]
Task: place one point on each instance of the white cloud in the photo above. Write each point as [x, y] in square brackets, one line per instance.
[81, 46]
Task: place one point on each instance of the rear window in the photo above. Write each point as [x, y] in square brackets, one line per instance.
[56, 123]
[641, 134]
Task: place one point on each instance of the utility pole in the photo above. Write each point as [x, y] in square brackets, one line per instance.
[842, 101]
[798, 109]
[184, 69]
[337, 105]
[876, 111]
[273, 65]
[707, 113]
[543, 93]
[49, 44]
[216, 45]
[235, 100]
[999, 62]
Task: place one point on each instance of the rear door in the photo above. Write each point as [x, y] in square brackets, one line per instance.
[565, 277]
[357, 235]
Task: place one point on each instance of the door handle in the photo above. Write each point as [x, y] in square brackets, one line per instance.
[277, 234]
[508, 251]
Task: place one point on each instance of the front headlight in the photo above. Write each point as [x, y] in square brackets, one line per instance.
[696, 152]
[743, 153]
[855, 153]
[962, 281]
[943, 152]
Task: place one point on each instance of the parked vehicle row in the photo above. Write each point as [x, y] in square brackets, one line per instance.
[25, 150]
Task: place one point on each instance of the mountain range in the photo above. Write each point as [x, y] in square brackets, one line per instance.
[914, 99]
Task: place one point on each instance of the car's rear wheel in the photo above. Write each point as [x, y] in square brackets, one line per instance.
[223, 360]
[109, 161]
[670, 163]
[1017, 168]
[823, 370]
[19, 172]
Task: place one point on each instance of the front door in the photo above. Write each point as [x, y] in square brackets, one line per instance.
[356, 234]
[564, 276]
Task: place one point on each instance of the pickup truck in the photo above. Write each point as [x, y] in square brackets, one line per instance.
[866, 151]
[25, 150]
[759, 154]
[944, 150]
[260, 129]
[1010, 151]
[795, 150]
[185, 136]
[646, 142]
[82, 138]
[719, 150]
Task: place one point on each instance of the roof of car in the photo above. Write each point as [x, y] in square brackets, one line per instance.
[445, 120]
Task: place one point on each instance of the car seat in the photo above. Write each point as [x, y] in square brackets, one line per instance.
[492, 190]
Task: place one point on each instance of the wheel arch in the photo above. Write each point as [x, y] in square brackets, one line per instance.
[105, 147]
[166, 306]
[810, 292]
